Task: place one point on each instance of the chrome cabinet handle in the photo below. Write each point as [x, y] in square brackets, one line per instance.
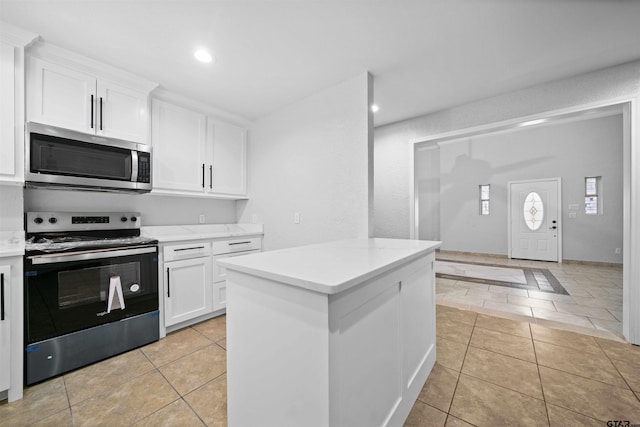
[100, 113]
[210, 176]
[238, 243]
[203, 175]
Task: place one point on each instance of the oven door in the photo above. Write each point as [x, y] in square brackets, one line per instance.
[70, 292]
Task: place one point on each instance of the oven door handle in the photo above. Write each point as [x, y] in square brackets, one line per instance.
[89, 255]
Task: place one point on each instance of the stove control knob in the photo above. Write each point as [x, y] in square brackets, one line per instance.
[134, 219]
[38, 220]
[123, 219]
[53, 220]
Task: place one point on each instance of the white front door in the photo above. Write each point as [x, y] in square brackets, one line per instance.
[534, 219]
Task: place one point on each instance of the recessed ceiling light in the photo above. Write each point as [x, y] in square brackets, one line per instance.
[203, 56]
[375, 108]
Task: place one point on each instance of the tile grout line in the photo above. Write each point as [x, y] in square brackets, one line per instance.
[617, 370]
[535, 354]
[460, 372]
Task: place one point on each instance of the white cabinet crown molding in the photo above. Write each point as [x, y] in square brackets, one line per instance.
[163, 94]
[16, 36]
[89, 65]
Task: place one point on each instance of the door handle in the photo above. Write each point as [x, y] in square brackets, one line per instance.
[203, 175]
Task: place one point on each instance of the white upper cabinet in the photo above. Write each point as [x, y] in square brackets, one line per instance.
[122, 112]
[229, 145]
[195, 154]
[72, 95]
[7, 118]
[179, 138]
[60, 96]
[12, 43]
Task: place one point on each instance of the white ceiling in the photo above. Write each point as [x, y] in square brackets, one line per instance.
[425, 55]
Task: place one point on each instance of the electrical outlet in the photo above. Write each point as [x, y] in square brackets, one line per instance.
[254, 219]
[296, 217]
[201, 219]
[573, 215]
[618, 251]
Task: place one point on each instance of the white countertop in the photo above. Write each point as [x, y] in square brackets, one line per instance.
[331, 267]
[11, 244]
[174, 233]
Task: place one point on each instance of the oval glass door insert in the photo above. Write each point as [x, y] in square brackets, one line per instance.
[533, 211]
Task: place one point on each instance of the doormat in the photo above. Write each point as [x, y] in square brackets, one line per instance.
[535, 279]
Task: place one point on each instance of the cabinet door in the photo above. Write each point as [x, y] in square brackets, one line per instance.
[178, 139]
[418, 320]
[5, 335]
[121, 112]
[188, 292]
[229, 157]
[7, 117]
[219, 295]
[60, 96]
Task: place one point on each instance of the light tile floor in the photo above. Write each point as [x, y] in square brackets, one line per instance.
[490, 371]
[594, 301]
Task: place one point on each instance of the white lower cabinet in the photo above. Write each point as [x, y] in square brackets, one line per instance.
[226, 249]
[187, 283]
[194, 285]
[5, 327]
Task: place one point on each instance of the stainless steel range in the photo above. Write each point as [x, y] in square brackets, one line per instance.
[91, 289]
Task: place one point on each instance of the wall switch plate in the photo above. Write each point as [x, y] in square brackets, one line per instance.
[201, 219]
[618, 251]
[254, 219]
[574, 207]
[573, 215]
[296, 217]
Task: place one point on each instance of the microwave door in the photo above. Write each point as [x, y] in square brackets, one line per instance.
[58, 158]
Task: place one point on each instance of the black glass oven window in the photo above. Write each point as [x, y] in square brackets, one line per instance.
[91, 285]
[61, 156]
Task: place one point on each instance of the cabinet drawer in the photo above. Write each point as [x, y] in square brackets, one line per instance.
[237, 245]
[219, 272]
[186, 251]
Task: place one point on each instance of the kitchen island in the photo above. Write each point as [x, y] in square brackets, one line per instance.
[332, 334]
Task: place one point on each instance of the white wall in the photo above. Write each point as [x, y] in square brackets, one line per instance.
[312, 157]
[571, 151]
[11, 218]
[155, 210]
[393, 148]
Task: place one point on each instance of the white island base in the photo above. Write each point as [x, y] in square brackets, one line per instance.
[337, 334]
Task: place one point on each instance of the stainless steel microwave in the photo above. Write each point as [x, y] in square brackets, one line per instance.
[65, 158]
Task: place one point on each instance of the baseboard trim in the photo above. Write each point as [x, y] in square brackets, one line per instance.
[499, 256]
